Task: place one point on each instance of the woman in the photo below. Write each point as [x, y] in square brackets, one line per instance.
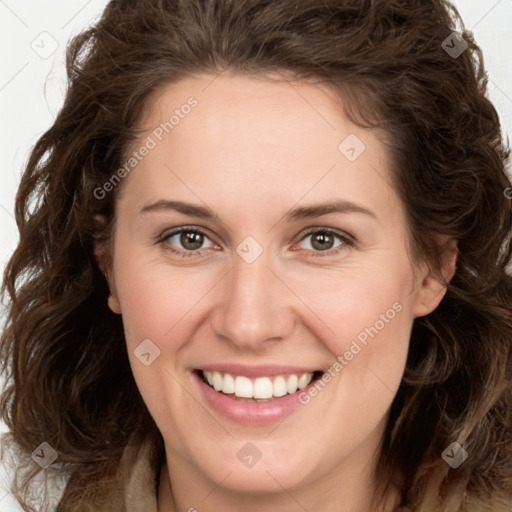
[262, 266]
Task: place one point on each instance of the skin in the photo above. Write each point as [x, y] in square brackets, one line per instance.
[250, 151]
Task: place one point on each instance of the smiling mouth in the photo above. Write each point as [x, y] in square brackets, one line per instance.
[261, 389]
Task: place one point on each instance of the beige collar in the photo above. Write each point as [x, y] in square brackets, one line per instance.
[132, 486]
[141, 488]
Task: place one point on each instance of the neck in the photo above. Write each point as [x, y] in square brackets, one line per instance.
[182, 488]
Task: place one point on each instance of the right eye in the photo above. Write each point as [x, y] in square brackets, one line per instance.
[190, 239]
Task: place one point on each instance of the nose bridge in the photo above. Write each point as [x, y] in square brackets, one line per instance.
[253, 306]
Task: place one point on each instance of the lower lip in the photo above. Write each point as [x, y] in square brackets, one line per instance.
[255, 413]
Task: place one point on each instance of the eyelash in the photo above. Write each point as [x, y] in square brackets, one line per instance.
[346, 240]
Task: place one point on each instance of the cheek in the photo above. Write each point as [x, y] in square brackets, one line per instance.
[369, 317]
[158, 305]
[365, 303]
[156, 299]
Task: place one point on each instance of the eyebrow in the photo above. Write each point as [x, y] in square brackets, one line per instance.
[300, 213]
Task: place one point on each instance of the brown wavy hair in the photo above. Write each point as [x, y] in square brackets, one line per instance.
[63, 352]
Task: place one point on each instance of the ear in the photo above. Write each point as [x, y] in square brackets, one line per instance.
[103, 256]
[434, 282]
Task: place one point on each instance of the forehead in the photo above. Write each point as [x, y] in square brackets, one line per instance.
[234, 107]
[252, 139]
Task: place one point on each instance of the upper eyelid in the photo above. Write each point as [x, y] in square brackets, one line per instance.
[345, 237]
[176, 231]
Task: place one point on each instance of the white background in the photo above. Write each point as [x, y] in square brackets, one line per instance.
[33, 37]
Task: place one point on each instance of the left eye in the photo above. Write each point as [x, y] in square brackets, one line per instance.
[325, 240]
[189, 239]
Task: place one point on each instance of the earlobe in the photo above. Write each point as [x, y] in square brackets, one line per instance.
[103, 257]
[104, 261]
[434, 283]
[114, 305]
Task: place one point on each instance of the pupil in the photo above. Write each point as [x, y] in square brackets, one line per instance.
[191, 240]
[322, 238]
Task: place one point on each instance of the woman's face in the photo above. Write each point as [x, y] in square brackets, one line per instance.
[303, 267]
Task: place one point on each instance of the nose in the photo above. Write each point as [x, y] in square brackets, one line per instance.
[254, 307]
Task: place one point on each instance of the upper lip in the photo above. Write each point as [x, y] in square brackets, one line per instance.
[256, 371]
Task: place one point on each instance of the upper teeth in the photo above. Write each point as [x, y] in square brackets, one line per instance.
[262, 387]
